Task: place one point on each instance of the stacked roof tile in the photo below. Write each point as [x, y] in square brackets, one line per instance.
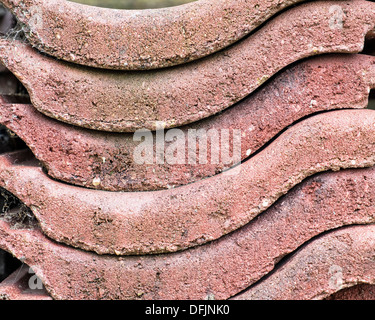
[212, 150]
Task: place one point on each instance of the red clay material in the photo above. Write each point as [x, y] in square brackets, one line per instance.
[139, 39]
[125, 102]
[105, 161]
[340, 259]
[171, 220]
[17, 287]
[217, 270]
[358, 292]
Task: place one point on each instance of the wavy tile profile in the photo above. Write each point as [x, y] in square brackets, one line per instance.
[125, 102]
[176, 219]
[139, 39]
[340, 259]
[109, 161]
[357, 292]
[217, 270]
